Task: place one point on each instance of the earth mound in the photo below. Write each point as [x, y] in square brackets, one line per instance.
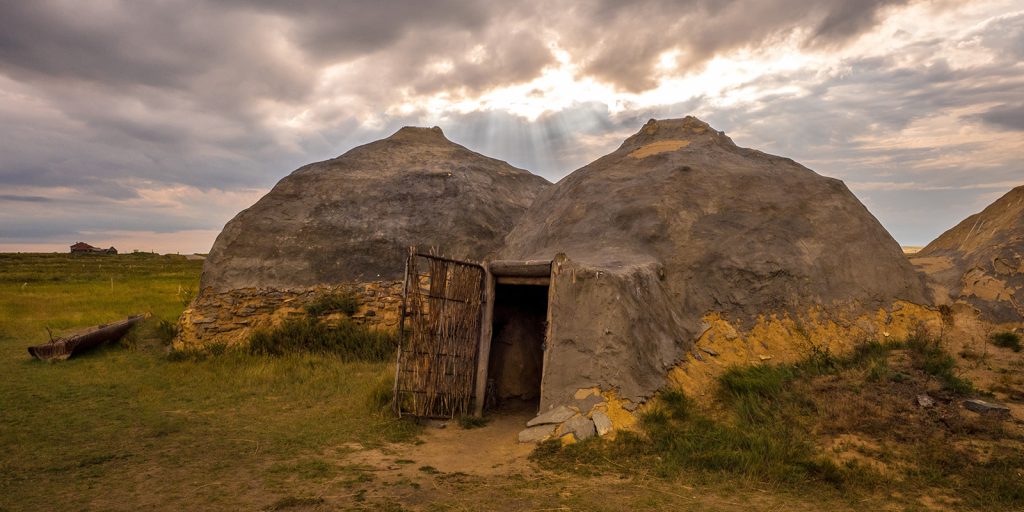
[344, 226]
[679, 223]
[352, 218]
[980, 261]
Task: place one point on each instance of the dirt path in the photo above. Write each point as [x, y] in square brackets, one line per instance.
[485, 451]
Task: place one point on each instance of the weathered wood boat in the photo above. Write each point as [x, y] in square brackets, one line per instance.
[63, 347]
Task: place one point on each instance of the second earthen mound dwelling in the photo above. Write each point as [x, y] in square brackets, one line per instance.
[678, 229]
[980, 261]
[350, 220]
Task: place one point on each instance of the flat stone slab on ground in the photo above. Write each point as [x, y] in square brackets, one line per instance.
[983, 407]
[556, 415]
[535, 434]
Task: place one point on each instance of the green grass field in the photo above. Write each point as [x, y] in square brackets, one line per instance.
[126, 428]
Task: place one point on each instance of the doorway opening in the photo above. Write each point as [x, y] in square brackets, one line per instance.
[516, 364]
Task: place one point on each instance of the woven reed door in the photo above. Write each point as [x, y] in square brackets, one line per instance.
[440, 335]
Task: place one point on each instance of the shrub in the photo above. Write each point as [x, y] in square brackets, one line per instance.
[166, 331]
[933, 360]
[1010, 340]
[348, 340]
[763, 381]
[382, 393]
[337, 302]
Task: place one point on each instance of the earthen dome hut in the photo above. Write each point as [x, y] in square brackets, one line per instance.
[667, 253]
[350, 221]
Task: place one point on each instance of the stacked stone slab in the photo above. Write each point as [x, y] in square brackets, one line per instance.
[678, 223]
[980, 261]
[348, 223]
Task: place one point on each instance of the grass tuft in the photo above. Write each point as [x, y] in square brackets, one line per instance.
[295, 502]
[335, 302]
[1010, 340]
[165, 331]
[933, 360]
[346, 339]
[471, 422]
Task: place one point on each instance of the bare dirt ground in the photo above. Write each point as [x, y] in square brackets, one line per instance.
[486, 468]
[486, 451]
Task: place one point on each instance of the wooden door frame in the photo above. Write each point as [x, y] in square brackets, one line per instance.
[535, 272]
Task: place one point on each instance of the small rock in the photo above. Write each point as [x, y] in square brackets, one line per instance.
[556, 415]
[602, 423]
[697, 356]
[587, 404]
[764, 358]
[371, 313]
[580, 426]
[535, 434]
[983, 407]
[583, 393]
[925, 401]
[709, 352]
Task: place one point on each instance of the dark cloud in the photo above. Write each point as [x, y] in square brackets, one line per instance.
[1006, 117]
[848, 18]
[621, 42]
[25, 199]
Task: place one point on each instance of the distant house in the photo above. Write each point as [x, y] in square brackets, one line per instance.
[84, 248]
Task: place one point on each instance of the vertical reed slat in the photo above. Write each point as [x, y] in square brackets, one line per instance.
[437, 360]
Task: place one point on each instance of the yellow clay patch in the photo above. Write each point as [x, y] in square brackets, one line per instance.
[617, 413]
[662, 146]
[773, 339]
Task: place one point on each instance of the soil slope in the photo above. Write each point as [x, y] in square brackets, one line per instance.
[980, 261]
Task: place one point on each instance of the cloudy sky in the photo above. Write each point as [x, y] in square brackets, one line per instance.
[148, 124]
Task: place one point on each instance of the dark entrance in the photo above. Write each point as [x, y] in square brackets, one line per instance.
[517, 346]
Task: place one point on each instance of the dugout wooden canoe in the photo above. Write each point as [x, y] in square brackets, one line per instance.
[63, 347]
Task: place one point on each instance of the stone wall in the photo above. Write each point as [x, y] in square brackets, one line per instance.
[230, 317]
